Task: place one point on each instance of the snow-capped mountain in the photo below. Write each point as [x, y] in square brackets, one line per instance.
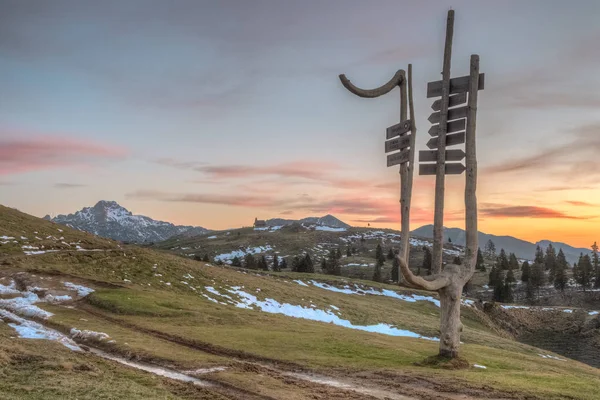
[109, 219]
[327, 220]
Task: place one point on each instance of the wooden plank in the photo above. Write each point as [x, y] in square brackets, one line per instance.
[451, 140]
[398, 129]
[398, 158]
[457, 85]
[450, 169]
[397, 143]
[453, 101]
[453, 113]
[431, 155]
[453, 126]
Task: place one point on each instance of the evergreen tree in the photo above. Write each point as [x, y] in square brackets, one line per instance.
[205, 258]
[236, 262]
[529, 291]
[560, 271]
[377, 272]
[262, 263]
[503, 260]
[525, 272]
[584, 271]
[457, 260]
[308, 264]
[249, 261]
[276, 263]
[390, 254]
[508, 291]
[283, 264]
[494, 277]
[513, 263]
[348, 252]
[490, 250]
[324, 265]
[480, 262]
[596, 265]
[427, 260]
[537, 277]
[395, 270]
[379, 257]
[550, 262]
[298, 264]
[539, 255]
[499, 286]
[333, 264]
[510, 277]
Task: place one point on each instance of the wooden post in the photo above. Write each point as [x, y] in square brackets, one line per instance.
[438, 218]
[404, 195]
[472, 239]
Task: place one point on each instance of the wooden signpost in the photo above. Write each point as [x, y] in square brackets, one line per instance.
[452, 126]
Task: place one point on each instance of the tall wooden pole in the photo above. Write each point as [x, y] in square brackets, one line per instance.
[472, 239]
[438, 218]
[404, 195]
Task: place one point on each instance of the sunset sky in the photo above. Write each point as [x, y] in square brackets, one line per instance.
[213, 113]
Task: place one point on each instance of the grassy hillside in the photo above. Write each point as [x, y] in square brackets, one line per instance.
[186, 315]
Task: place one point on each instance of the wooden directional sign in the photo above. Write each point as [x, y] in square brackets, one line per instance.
[398, 158]
[453, 101]
[451, 169]
[431, 155]
[457, 85]
[451, 140]
[397, 143]
[453, 113]
[398, 129]
[453, 126]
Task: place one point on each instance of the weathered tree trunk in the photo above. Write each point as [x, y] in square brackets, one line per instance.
[450, 325]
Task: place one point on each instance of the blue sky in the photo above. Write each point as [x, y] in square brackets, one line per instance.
[212, 113]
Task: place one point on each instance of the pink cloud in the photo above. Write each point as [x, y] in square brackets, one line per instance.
[18, 155]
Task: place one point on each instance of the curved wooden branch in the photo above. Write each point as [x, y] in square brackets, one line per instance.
[370, 93]
[438, 281]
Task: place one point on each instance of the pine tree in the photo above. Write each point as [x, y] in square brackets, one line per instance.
[480, 262]
[584, 271]
[499, 286]
[510, 276]
[529, 291]
[539, 255]
[395, 270]
[525, 272]
[503, 260]
[308, 264]
[333, 264]
[390, 254]
[249, 261]
[205, 258]
[537, 277]
[513, 263]
[283, 264]
[324, 265]
[427, 260]
[262, 264]
[348, 252]
[560, 271]
[490, 249]
[457, 260]
[236, 262]
[494, 277]
[379, 257]
[596, 265]
[276, 263]
[297, 264]
[550, 262]
[508, 292]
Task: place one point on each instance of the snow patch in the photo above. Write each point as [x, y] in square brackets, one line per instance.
[299, 282]
[479, 366]
[82, 291]
[88, 335]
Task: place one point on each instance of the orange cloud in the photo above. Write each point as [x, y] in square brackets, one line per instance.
[507, 211]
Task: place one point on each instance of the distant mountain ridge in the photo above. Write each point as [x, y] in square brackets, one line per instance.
[522, 248]
[110, 220]
[327, 220]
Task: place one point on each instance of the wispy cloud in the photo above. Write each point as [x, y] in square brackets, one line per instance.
[509, 211]
[18, 155]
[581, 203]
[64, 185]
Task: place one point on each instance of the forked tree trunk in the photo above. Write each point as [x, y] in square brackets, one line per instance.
[450, 325]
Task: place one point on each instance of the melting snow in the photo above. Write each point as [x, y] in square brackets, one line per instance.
[24, 306]
[10, 289]
[211, 237]
[274, 307]
[593, 313]
[299, 282]
[479, 366]
[87, 335]
[551, 357]
[329, 229]
[82, 291]
[227, 257]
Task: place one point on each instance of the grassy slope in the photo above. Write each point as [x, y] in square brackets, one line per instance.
[122, 308]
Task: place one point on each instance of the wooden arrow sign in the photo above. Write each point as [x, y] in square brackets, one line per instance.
[431, 155]
[453, 101]
[457, 85]
[398, 129]
[453, 113]
[397, 143]
[453, 126]
[451, 140]
[451, 169]
[398, 158]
